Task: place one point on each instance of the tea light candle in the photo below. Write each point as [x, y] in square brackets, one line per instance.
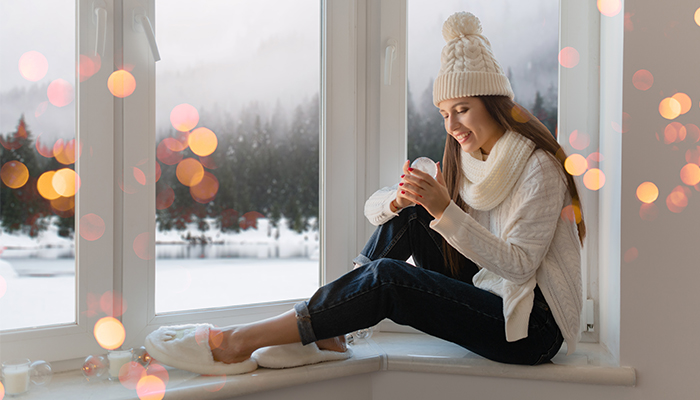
[117, 358]
[16, 377]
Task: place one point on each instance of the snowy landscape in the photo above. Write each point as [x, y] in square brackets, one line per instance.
[261, 264]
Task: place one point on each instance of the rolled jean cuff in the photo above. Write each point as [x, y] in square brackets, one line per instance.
[306, 331]
[361, 260]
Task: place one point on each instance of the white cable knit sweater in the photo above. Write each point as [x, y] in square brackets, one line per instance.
[521, 242]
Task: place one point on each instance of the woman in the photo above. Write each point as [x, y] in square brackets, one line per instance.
[497, 261]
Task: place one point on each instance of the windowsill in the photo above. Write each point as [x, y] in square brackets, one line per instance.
[383, 352]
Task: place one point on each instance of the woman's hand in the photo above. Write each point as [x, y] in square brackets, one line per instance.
[401, 200]
[418, 187]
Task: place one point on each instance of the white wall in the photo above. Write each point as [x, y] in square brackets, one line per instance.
[659, 296]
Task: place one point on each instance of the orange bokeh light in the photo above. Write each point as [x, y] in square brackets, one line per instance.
[571, 213]
[669, 108]
[189, 172]
[45, 186]
[130, 374]
[579, 140]
[165, 198]
[696, 17]
[91, 227]
[594, 159]
[175, 145]
[63, 203]
[139, 176]
[60, 93]
[184, 117]
[166, 155]
[66, 182]
[631, 254]
[202, 141]
[206, 189]
[109, 333]
[121, 83]
[673, 132]
[648, 211]
[647, 192]
[66, 153]
[150, 387]
[33, 66]
[643, 79]
[14, 174]
[2, 391]
[144, 246]
[692, 133]
[88, 66]
[159, 371]
[594, 179]
[684, 100]
[690, 174]
[575, 164]
[609, 8]
[569, 57]
[677, 200]
[519, 114]
[44, 150]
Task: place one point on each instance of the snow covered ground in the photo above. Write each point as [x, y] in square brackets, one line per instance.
[37, 276]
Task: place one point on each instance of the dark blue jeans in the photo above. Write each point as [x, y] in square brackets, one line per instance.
[425, 297]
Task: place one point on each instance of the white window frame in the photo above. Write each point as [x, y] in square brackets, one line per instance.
[95, 260]
[579, 89]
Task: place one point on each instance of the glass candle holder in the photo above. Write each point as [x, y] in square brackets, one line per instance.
[117, 358]
[15, 375]
[426, 165]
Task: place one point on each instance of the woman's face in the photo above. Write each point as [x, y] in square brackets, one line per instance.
[468, 122]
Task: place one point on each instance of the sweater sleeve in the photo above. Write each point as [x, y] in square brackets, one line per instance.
[377, 207]
[527, 231]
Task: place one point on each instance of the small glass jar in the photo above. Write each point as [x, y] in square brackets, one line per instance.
[117, 359]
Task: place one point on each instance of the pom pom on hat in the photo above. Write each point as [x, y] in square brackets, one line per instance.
[461, 24]
[468, 66]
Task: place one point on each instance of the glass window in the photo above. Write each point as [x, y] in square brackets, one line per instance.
[237, 152]
[37, 157]
[525, 40]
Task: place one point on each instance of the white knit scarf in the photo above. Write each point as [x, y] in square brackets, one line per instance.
[487, 183]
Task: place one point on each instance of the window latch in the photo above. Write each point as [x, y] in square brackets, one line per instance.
[389, 57]
[99, 10]
[142, 23]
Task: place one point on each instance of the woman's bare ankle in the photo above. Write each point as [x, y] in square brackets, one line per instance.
[226, 345]
[333, 344]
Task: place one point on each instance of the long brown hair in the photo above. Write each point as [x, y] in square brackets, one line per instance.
[511, 116]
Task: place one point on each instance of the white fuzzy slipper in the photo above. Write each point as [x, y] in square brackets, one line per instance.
[295, 355]
[186, 347]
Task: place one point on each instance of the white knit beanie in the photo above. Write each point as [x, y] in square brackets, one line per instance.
[468, 65]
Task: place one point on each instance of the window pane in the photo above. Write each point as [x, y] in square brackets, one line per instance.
[525, 39]
[38, 152]
[237, 133]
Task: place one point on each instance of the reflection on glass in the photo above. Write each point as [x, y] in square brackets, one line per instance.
[237, 139]
[37, 156]
[525, 40]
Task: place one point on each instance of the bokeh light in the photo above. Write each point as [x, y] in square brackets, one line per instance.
[139, 176]
[684, 100]
[631, 254]
[2, 391]
[41, 109]
[250, 220]
[66, 182]
[579, 140]
[33, 66]
[208, 162]
[673, 132]
[206, 189]
[693, 155]
[109, 333]
[130, 374]
[121, 83]
[594, 179]
[159, 171]
[112, 304]
[60, 93]
[91, 227]
[569, 57]
[594, 159]
[63, 204]
[159, 371]
[677, 200]
[14, 174]
[669, 108]
[648, 211]
[202, 141]
[575, 164]
[66, 153]
[609, 8]
[216, 386]
[150, 387]
[189, 172]
[45, 186]
[647, 192]
[175, 145]
[43, 149]
[692, 133]
[144, 246]
[690, 174]
[184, 117]
[165, 198]
[167, 156]
[88, 66]
[643, 79]
[571, 213]
[519, 114]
